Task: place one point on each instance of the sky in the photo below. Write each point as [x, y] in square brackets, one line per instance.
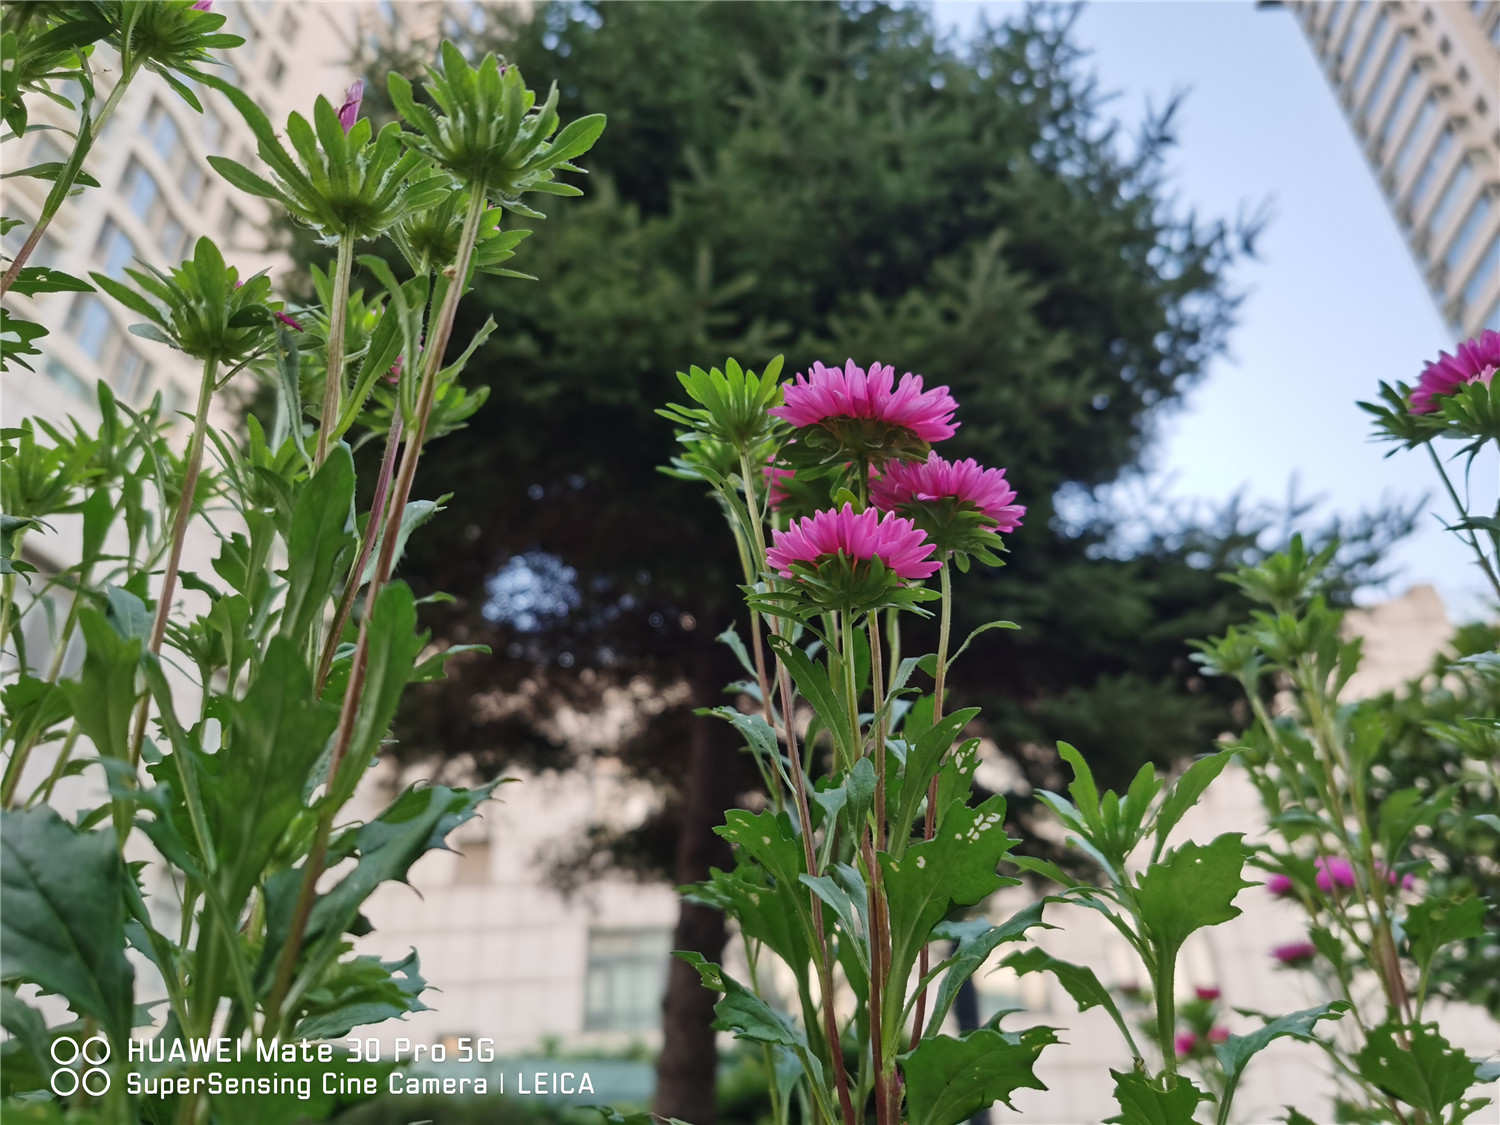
[1334, 302]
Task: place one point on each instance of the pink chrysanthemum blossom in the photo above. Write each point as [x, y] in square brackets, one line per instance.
[1474, 361]
[895, 541]
[1279, 885]
[1185, 1043]
[1207, 993]
[1405, 882]
[900, 483]
[826, 394]
[203, 5]
[1218, 1035]
[1295, 952]
[1335, 873]
[349, 111]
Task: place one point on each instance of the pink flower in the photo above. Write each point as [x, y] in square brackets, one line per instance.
[203, 5]
[1406, 882]
[1279, 885]
[893, 540]
[1334, 873]
[281, 316]
[1295, 952]
[827, 393]
[1207, 993]
[349, 111]
[1218, 1034]
[903, 482]
[1475, 361]
[775, 491]
[1185, 1042]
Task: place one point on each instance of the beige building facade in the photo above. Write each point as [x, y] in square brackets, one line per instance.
[1420, 86]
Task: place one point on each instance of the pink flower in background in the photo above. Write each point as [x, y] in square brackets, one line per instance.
[1218, 1035]
[1279, 885]
[893, 540]
[775, 491]
[905, 482]
[1185, 1042]
[281, 316]
[1334, 873]
[1207, 993]
[203, 5]
[828, 393]
[1474, 361]
[1295, 952]
[1406, 882]
[349, 111]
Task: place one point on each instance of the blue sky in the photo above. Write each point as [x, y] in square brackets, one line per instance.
[1334, 302]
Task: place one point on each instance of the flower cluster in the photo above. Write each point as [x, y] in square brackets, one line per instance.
[930, 508]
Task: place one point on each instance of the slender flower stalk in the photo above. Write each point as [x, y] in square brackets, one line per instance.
[929, 822]
[179, 534]
[1467, 534]
[366, 546]
[338, 320]
[63, 185]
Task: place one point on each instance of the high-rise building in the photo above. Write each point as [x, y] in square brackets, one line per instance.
[157, 195]
[1420, 86]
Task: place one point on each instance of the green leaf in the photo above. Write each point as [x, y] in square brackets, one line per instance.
[62, 915]
[974, 940]
[1433, 923]
[1191, 887]
[1078, 981]
[1431, 1075]
[1185, 792]
[253, 788]
[949, 1080]
[360, 991]
[1082, 788]
[43, 279]
[1145, 1101]
[320, 536]
[104, 694]
[957, 867]
[812, 682]
[746, 1016]
[1235, 1053]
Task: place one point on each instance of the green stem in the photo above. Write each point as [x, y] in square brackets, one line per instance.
[1470, 537]
[929, 823]
[179, 535]
[338, 320]
[63, 185]
[1164, 984]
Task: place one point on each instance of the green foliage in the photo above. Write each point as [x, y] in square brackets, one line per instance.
[1146, 1101]
[201, 307]
[70, 942]
[949, 1080]
[339, 185]
[1422, 1069]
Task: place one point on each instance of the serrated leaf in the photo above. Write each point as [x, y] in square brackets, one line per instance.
[1235, 1053]
[62, 915]
[1430, 1075]
[949, 1080]
[1191, 887]
[1150, 1101]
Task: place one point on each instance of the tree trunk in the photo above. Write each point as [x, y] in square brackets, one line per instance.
[686, 1068]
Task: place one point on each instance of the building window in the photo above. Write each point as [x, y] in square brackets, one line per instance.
[61, 374]
[130, 374]
[276, 71]
[1492, 318]
[1356, 18]
[627, 973]
[145, 200]
[1482, 280]
[1436, 160]
[1367, 53]
[169, 144]
[1388, 66]
[1458, 186]
[114, 249]
[91, 327]
[1468, 231]
[1398, 108]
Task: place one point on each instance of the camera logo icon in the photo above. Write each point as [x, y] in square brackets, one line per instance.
[80, 1065]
